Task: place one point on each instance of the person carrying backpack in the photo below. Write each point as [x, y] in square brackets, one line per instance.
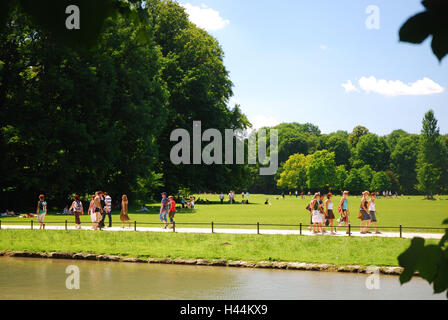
[78, 210]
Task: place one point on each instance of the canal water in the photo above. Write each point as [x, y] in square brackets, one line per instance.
[22, 278]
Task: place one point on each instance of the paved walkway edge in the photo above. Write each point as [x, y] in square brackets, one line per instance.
[435, 236]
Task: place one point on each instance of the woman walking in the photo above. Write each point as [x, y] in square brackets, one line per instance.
[41, 211]
[345, 213]
[124, 211]
[364, 213]
[92, 213]
[373, 212]
[78, 210]
[322, 212]
[329, 212]
[316, 218]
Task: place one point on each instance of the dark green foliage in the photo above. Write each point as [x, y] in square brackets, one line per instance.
[432, 22]
[430, 261]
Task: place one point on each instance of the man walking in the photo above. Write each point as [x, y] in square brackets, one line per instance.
[164, 210]
[97, 208]
[103, 207]
[108, 208]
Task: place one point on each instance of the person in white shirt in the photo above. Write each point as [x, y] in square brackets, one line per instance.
[108, 208]
[373, 212]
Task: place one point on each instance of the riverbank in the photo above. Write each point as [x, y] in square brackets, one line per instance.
[262, 250]
[203, 262]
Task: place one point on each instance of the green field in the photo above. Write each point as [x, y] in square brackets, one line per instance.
[338, 251]
[410, 211]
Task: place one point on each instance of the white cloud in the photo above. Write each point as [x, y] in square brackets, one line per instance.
[393, 88]
[323, 47]
[261, 121]
[349, 87]
[205, 17]
[422, 87]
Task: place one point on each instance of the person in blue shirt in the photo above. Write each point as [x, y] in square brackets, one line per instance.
[164, 210]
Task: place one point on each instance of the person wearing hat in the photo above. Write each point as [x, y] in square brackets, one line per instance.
[164, 210]
[364, 213]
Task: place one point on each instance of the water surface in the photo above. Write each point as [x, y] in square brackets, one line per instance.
[23, 278]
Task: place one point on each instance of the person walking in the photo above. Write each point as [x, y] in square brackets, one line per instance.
[41, 211]
[344, 211]
[98, 208]
[221, 198]
[316, 217]
[247, 197]
[364, 213]
[373, 212]
[171, 210]
[103, 209]
[93, 215]
[78, 210]
[322, 212]
[329, 212]
[164, 210]
[108, 208]
[124, 212]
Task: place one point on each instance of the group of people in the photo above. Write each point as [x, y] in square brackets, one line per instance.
[167, 210]
[231, 197]
[100, 206]
[322, 214]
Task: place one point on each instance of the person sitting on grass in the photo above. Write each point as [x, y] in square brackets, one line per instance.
[143, 209]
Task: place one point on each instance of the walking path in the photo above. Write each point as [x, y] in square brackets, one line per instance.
[406, 235]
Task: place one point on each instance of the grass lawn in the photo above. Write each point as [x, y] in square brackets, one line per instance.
[409, 211]
[338, 251]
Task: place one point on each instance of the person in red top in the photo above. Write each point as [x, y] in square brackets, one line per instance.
[171, 210]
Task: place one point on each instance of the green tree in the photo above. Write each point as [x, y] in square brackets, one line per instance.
[340, 147]
[380, 182]
[371, 150]
[321, 171]
[294, 173]
[367, 175]
[357, 133]
[354, 182]
[200, 88]
[341, 176]
[77, 120]
[432, 162]
[393, 138]
[404, 161]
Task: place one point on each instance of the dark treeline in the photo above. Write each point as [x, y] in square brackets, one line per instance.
[81, 119]
[77, 120]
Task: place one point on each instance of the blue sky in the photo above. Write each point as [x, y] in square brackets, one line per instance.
[288, 60]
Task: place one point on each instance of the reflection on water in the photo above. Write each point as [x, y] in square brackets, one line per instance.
[46, 278]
